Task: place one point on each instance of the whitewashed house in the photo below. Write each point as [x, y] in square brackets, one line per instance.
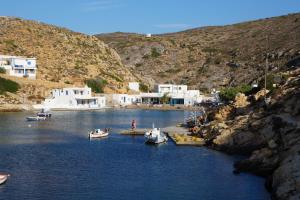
[125, 99]
[170, 88]
[178, 94]
[19, 66]
[73, 99]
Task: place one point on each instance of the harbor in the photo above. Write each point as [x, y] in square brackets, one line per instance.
[44, 154]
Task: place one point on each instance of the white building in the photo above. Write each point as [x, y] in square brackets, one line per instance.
[170, 88]
[177, 94]
[135, 86]
[73, 99]
[126, 99]
[19, 66]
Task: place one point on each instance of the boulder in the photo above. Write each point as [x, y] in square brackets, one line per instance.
[224, 113]
[241, 101]
[262, 162]
[260, 94]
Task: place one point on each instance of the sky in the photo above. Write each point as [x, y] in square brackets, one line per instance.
[144, 16]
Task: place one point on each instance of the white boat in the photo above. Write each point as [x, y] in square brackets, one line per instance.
[155, 136]
[36, 118]
[97, 133]
[3, 178]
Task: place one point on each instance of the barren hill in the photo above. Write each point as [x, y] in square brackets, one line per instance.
[63, 56]
[211, 57]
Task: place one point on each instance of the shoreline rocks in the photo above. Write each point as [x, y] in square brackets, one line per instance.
[269, 134]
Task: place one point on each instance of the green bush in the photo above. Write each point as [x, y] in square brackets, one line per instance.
[97, 85]
[228, 94]
[8, 86]
[2, 70]
[165, 99]
[154, 53]
[144, 87]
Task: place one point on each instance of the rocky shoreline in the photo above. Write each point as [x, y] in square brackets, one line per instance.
[268, 133]
[15, 107]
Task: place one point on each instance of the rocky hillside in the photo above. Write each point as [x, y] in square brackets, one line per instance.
[269, 133]
[63, 56]
[211, 56]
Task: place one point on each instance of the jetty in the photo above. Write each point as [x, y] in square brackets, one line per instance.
[179, 135]
[138, 131]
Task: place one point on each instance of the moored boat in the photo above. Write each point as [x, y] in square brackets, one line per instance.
[3, 178]
[97, 133]
[155, 136]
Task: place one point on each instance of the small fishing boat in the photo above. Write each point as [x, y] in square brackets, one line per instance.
[155, 136]
[3, 178]
[97, 133]
[36, 118]
[44, 113]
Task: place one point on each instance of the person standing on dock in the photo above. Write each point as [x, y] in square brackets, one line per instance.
[133, 125]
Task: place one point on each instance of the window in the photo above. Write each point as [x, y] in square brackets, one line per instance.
[67, 92]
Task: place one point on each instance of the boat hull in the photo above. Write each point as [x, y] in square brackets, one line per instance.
[36, 118]
[3, 178]
[98, 135]
[155, 140]
[155, 137]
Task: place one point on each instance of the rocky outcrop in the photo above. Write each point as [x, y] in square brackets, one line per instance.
[269, 134]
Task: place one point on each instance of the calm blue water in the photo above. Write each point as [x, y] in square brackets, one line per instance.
[56, 160]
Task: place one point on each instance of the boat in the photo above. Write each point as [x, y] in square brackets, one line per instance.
[155, 136]
[44, 113]
[3, 178]
[36, 118]
[97, 133]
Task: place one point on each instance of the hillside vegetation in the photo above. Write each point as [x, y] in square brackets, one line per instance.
[8, 86]
[212, 57]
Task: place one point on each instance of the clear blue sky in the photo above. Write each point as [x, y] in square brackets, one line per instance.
[144, 16]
